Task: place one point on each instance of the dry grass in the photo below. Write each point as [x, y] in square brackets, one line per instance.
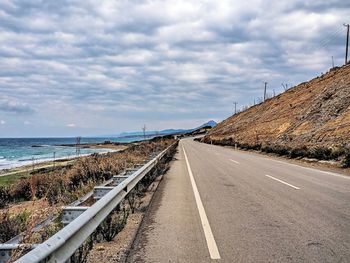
[43, 194]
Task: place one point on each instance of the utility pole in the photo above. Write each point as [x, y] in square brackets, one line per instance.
[235, 103]
[347, 43]
[332, 62]
[33, 164]
[265, 90]
[144, 131]
[285, 86]
[77, 146]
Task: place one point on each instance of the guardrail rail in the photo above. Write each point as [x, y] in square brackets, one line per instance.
[62, 245]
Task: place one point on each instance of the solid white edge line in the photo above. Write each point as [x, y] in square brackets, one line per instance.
[311, 169]
[234, 161]
[283, 182]
[209, 237]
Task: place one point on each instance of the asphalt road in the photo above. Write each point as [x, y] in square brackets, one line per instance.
[248, 208]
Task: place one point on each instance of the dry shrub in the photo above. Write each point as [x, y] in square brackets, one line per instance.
[321, 153]
[340, 153]
[346, 160]
[113, 224]
[277, 149]
[67, 184]
[12, 225]
[58, 184]
[20, 191]
[5, 196]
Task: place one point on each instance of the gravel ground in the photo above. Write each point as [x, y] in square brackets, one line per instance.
[118, 249]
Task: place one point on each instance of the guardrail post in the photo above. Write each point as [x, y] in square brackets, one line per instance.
[6, 250]
[100, 191]
[69, 213]
[5, 254]
[138, 165]
[118, 179]
[130, 171]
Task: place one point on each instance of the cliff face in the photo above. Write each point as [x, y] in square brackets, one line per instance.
[312, 114]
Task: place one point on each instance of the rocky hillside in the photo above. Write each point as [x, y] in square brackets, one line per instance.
[314, 114]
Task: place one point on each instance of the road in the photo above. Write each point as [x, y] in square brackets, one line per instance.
[218, 204]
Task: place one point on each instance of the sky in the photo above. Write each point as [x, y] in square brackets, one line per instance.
[87, 67]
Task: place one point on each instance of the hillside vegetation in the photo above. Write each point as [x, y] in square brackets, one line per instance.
[32, 199]
[309, 120]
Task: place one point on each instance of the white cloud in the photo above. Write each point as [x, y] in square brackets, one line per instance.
[113, 63]
[13, 105]
[2, 122]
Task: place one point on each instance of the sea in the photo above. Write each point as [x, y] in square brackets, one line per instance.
[16, 152]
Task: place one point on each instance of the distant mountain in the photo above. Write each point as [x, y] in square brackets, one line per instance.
[210, 123]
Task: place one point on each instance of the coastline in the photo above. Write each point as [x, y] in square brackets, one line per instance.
[103, 145]
[28, 166]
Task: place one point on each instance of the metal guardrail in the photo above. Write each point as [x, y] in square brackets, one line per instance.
[16, 240]
[61, 246]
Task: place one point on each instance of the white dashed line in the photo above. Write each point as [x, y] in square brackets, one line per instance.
[283, 182]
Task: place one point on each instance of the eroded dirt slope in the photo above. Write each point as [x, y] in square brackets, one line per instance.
[312, 114]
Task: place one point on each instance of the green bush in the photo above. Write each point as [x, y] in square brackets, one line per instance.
[23, 218]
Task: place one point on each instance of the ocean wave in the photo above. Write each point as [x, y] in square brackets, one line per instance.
[40, 145]
[35, 159]
[26, 160]
[7, 163]
[21, 156]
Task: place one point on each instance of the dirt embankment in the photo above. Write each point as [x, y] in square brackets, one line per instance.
[312, 115]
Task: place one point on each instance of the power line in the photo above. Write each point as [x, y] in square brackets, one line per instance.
[325, 41]
[330, 37]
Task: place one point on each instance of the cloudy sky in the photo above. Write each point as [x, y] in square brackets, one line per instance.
[87, 67]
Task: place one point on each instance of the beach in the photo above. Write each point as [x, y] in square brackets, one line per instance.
[22, 152]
